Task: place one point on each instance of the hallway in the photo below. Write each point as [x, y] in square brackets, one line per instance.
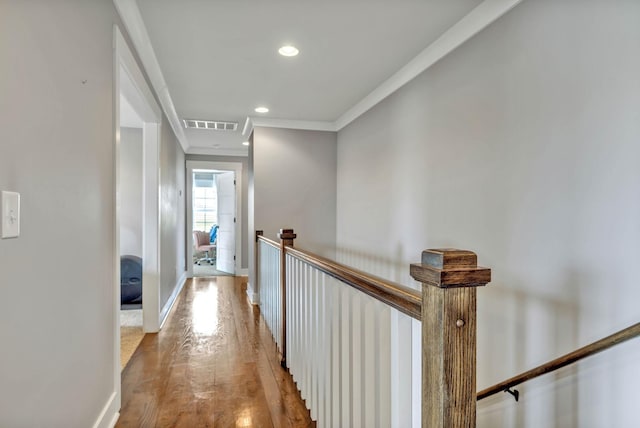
[214, 364]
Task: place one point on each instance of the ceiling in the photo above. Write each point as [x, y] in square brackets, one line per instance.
[218, 60]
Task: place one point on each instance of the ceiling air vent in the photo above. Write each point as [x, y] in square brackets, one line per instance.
[214, 125]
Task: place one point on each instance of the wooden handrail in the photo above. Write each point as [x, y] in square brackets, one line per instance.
[446, 308]
[268, 241]
[446, 305]
[404, 299]
[565, 360]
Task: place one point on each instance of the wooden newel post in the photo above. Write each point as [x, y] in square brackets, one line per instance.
[286, 237]
[449, 279]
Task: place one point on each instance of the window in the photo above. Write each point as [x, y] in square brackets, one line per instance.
[205, 201]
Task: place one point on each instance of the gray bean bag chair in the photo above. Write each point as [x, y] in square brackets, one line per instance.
[130, 279]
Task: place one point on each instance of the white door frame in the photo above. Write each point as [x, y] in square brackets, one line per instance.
[218, 166]
[226, 189]
[144, 103]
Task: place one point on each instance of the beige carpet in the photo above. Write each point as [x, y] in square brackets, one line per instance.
[130, 334]
[205, 269]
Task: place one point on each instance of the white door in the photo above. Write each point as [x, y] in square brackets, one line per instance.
[226, 241]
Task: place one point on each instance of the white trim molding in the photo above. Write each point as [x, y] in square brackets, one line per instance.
[310, 125]
[254, 298]
[217, 152]
[248, 127]
[220, 166]
[151, 236]
[125, 67]
[133, 22]
[110, 412]
[145, 104]
[172, 299]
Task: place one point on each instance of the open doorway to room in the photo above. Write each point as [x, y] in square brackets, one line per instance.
[204, 204]
[137, 218]
[212, 206]
[130, 231]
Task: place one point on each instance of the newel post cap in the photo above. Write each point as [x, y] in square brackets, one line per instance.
[286, 234]
[449, 267]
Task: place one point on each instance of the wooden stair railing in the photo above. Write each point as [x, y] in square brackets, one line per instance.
[565, 360]
[404, 299]
[447, 307]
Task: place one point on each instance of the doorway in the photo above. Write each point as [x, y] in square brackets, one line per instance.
[136, 109]
[213, 201]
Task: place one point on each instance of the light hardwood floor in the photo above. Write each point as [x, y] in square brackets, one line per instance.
[214, 364]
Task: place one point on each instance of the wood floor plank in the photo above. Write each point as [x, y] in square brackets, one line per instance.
[214, 364]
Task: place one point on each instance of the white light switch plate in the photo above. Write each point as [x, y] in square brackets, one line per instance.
[10, 214]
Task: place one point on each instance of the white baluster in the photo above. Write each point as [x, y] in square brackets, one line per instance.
[401, 369]
[356, 358]
[292, 287]
[416, 373]
[313, 337]
[368, 371]
[307, 334]
[293, 321]
[336, 352]
[383, 366]
[349, 354]
[345, 357]
[302, 384]
[323, 374]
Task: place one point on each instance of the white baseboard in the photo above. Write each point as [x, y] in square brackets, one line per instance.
[172, 299]
[243, 272]
[109, 414]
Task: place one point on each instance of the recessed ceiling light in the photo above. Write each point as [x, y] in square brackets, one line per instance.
[246, 143]
[288, 50]
[262, 110]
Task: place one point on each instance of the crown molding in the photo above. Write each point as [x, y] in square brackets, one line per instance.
[133, 22]
[310, 125]
[248, 127]
[475, 21]
[211, 151]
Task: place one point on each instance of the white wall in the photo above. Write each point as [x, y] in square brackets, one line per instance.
[294, 176]
[131, 191]
[521, 145]
[57, 149]
[172, 214]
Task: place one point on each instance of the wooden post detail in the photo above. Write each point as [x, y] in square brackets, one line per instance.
[449, 279]
[286, 237]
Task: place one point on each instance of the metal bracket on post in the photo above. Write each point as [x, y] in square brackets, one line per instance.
[514, 392]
